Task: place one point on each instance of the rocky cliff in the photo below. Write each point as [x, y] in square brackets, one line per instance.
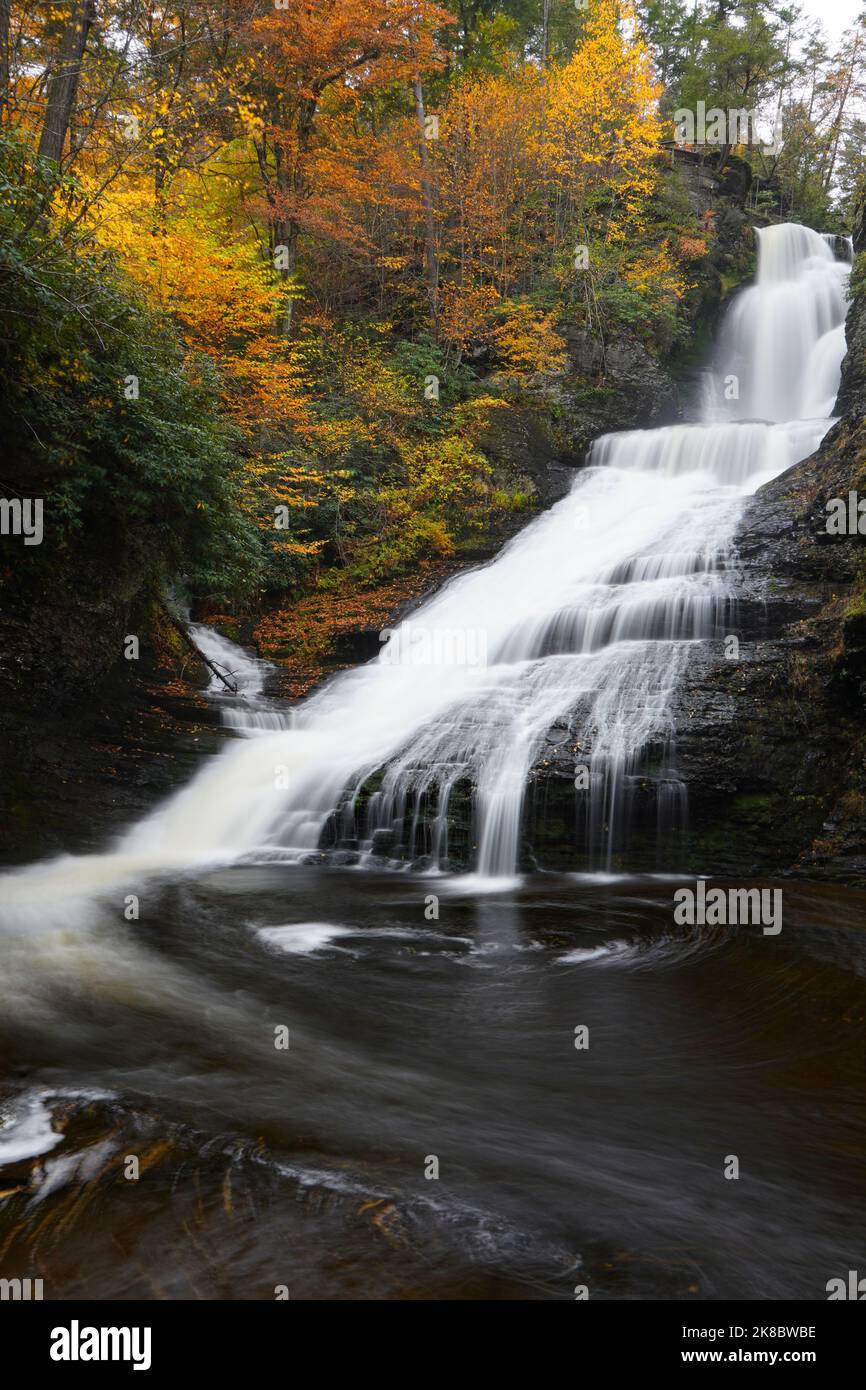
[770, 746]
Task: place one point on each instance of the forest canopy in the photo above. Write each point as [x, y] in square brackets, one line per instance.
[270, 272]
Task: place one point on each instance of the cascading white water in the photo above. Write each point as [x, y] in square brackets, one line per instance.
[246, 673]
[589, 615]
[247, 711]
[783, 340]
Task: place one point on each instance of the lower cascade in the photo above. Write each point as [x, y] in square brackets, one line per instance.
[586, 619]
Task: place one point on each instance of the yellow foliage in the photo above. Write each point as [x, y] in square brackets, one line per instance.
[656, 272]
[528, 341]
[602, 123]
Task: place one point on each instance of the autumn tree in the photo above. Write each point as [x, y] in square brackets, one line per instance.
[63, 79]
[303, 55]
[5, 36]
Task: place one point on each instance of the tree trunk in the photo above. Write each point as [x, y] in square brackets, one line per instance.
[285, 232]
[63, 82]
[839, 119]
[5, 13]
[431, 261]
[286, 195]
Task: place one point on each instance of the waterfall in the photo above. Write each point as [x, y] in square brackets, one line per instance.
[784, 338]
[248, 711]
[588, 616]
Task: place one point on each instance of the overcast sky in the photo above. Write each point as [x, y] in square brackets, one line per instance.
[835, 15]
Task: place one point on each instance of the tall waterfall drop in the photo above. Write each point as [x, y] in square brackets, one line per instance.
[588, 616]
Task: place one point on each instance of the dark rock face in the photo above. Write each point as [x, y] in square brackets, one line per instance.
[633, 391]
[89, 741]
[517, 443]
[771, 745]
[548, 434]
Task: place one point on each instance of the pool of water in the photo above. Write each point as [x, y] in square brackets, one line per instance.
[431, 1129]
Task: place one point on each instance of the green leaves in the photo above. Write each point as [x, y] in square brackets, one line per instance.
[145, 483]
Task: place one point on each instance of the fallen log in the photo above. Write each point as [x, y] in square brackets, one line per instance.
[227, 680]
